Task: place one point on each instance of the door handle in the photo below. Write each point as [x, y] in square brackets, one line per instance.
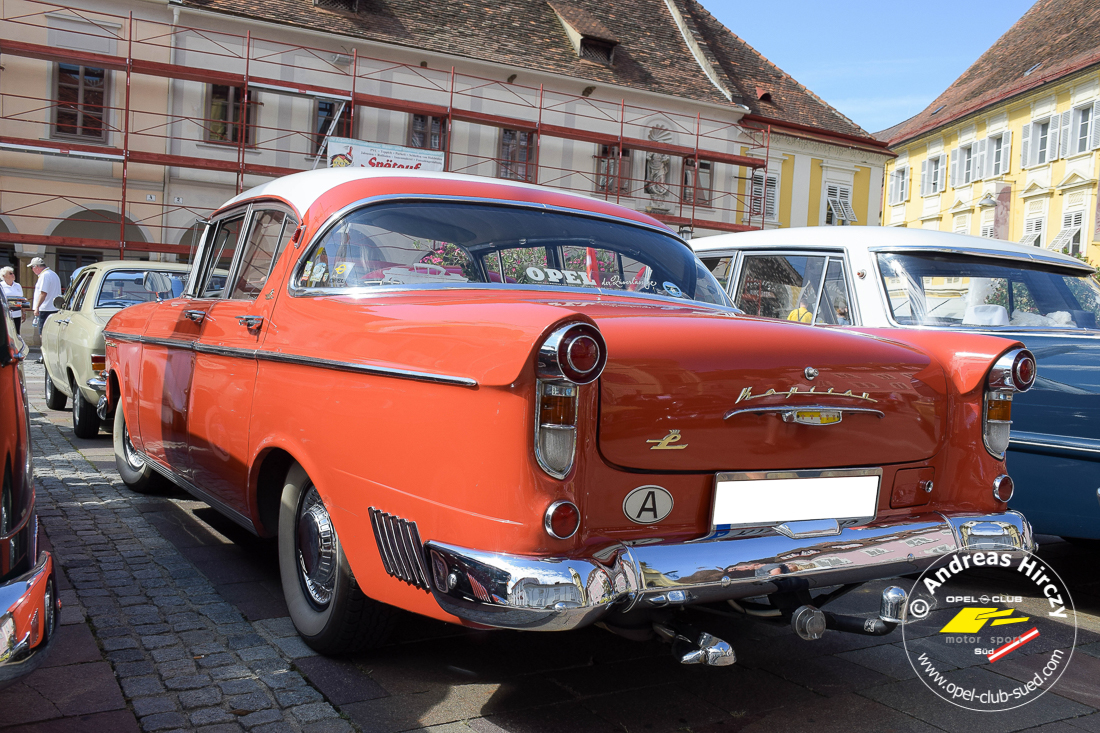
[195, 316]
[250, 322]
[63, 323]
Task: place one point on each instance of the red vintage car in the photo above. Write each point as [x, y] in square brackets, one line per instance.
[506, 406]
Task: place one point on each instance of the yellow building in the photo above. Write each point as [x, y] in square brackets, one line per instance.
[1009, 150]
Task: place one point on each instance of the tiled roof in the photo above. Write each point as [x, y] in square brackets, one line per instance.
[1060, 36]
[582, 21]
[651, 54]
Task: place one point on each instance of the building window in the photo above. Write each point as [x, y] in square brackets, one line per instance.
[697, 181]
[69, 262]
[838, 207]
[899, 185]
[613, 169]
[1039, 144]
[1033, 232]
[962, 166]
[323, 126]
[1081, 133]
[428, 133]
[993, 156]
[1069, 238]
[765, 193]
[223, 115]
[932, 175]
[81, 95]
[987, 231]
[517, 155]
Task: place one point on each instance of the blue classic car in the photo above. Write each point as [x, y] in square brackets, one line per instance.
[918, 279]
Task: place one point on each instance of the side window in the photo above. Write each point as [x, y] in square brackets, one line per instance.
[780, 286]
[82, 292]
[270, 232]
[834, 306]
[78, 287]
[223, 245]
[721, 268]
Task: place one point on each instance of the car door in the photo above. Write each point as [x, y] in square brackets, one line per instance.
[168, 356]
[237, 320]
[55, 351]
[808, 287]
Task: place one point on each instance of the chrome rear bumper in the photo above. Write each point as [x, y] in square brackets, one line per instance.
[29, 614]
[555, 594]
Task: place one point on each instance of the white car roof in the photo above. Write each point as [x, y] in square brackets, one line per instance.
[889, 239]
[302, 189]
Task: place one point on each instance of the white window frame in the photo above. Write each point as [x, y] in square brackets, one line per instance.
[1034, 155]
[987, 231]
[838, 205]
[1077, 143]
[765, 193]
[988, 165]
[1033, 231]
[1073, 223]
[899, 185]
[963, 158]
[933, 183]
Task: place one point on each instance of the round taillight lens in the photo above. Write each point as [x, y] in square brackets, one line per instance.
[562, 520]
[1024, 371]
[1003, 488]
[583, 354]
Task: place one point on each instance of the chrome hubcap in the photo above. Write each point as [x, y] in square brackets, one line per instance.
[316, 548]
[133, 458]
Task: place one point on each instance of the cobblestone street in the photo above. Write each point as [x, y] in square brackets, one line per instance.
[174, 619]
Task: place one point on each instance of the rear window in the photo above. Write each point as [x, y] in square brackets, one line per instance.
[454, 244]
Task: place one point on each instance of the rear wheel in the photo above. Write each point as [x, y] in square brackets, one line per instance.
[85, 419]
[329, 610]
[135, 472]
[55, 400]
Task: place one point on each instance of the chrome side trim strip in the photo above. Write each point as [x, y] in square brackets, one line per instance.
[198, 493]
[786, 410]
[1018, 439]
[309, 361]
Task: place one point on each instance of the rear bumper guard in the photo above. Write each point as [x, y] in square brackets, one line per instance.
[560, 593]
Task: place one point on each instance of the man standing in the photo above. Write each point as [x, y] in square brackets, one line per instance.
[46, 289]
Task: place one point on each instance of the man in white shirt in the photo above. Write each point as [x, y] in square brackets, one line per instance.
[46, 289]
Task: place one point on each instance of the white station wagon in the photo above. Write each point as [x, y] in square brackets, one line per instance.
[917, 279]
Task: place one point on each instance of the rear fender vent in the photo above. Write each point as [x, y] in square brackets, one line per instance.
[400, 548]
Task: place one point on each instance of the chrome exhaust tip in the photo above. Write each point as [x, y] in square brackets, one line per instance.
[706, 649]
[892, 609]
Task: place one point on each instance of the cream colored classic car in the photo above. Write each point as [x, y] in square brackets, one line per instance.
[72, 339]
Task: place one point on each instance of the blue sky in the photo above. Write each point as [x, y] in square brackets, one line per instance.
[877, 62]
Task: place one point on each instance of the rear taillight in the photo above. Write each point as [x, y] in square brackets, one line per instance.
[571, 356]
[99, 363]
[1014, 372]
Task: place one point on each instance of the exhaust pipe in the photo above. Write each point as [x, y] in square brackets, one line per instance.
[692, 646]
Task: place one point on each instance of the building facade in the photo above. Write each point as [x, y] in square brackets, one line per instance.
[1010, 150]
[125, 121]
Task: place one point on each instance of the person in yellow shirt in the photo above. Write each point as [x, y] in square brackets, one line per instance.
[802, 313]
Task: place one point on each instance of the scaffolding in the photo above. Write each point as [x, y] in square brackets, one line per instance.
[148, 133]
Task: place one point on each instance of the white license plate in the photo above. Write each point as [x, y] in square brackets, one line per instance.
[759, 499]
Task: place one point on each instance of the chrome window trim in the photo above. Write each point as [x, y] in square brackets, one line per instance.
[254, 209]
[1042, 258]
[840, 253]
[335, 218]
[203, 251]
[312, 361]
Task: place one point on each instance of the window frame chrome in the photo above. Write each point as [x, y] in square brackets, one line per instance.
[841, 253]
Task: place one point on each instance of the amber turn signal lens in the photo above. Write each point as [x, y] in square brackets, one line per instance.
[999, 409]
[99, 363]
[562, 520]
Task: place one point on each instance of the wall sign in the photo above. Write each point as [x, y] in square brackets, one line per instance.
[344, 152]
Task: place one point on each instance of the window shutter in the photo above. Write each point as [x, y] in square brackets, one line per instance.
[955, 168]
[979, 159]
[905, 178]
[771, 210]
[1006, 152]
[1065, 135]
[924, 178]
[1052, 140]
[757, 192]
[1094, 137]
[1025, 145]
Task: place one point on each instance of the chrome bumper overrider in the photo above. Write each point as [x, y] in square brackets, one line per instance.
[29, 612]
[554, 594]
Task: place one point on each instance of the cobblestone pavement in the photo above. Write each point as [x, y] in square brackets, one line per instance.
[187, 610]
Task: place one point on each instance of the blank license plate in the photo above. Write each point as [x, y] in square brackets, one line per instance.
[753, 502]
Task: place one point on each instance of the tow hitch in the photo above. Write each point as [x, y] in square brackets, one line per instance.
[692, 646]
